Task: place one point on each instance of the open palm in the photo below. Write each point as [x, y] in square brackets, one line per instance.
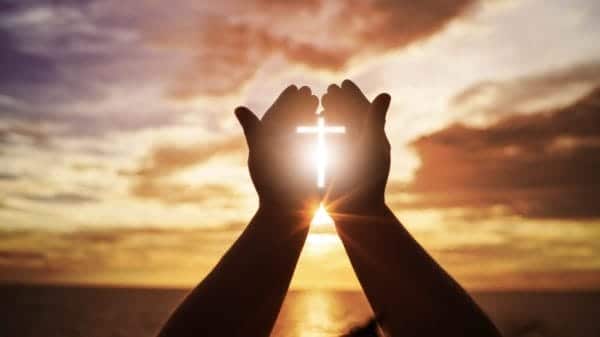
[277, 151]
[361, 174]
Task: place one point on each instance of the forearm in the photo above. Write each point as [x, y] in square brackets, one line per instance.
[243, 293]
[410, 293]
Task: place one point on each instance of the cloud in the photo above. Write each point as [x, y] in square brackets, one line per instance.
[8, 176]
[171, 193]
[43, 42]
[18, 133]
[80, 68]
[490, 100]
[21, 258]
[59, 198]
[237, 52]
[151, 180]
[228, 48]
[94, 67]
[165, 159]
[120, 255]
[176, 255]
[543, 165]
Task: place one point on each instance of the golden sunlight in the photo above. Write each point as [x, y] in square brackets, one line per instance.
[321, 238]
[321, 218]
[322, 242]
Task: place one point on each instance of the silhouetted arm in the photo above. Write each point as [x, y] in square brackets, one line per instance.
[410, 293]
[243, 293]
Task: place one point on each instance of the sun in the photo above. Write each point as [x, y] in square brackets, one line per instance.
[322, 238]
[321, 218]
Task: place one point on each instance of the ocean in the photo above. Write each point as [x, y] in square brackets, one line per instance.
[51, 311]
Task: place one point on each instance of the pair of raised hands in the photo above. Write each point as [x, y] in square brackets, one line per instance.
[410, 294]
[278, 160]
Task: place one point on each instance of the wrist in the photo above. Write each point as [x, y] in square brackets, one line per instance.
[359, 219]
[278, 223]
[286, 205]
[358, 206]
[284, 210]
[361, 210]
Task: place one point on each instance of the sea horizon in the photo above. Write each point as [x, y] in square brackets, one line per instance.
[47, 310]
[4, 283]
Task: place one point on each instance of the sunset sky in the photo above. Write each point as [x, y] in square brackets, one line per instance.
[121, 161]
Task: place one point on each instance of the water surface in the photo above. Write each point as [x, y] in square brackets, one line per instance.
[42, 311]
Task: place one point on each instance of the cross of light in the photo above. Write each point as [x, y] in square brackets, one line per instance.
[321, 130]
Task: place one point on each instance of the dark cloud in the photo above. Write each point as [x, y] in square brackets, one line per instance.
[20, 69]
[538, 280]
[78, 66]
[542, 165]
[389, 24]
[60, 198]
[46, 43]
[20, 258]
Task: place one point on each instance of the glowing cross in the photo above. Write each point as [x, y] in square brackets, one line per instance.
[321, 129]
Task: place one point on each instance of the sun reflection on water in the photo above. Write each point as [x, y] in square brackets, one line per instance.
[313, 313]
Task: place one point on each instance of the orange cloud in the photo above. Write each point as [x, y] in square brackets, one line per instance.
[166, 159]
[178, 256]
[117, 255]
[180, 193]
[494, 99]
[227, 49]
[541, 165]
[150, 180]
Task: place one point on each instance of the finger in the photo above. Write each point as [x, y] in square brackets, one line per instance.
[351, 86]
[328, 98]
[378, 110]
[304, 91]
[284, 99]
[354, 92]
[332, 88]
[313, 103]
[249, 123]
[325, 100]
[286, 94]
[309, 102]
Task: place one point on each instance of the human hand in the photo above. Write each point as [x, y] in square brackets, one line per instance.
[276, 151]
[361, 171]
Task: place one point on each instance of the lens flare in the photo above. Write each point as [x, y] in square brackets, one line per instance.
[321, 218]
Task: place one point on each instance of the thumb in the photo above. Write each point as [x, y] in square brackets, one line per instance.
[378, 111]
[375, 128]
[249, 123]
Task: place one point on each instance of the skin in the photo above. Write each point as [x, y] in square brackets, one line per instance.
[242, 295]
[410, 293]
